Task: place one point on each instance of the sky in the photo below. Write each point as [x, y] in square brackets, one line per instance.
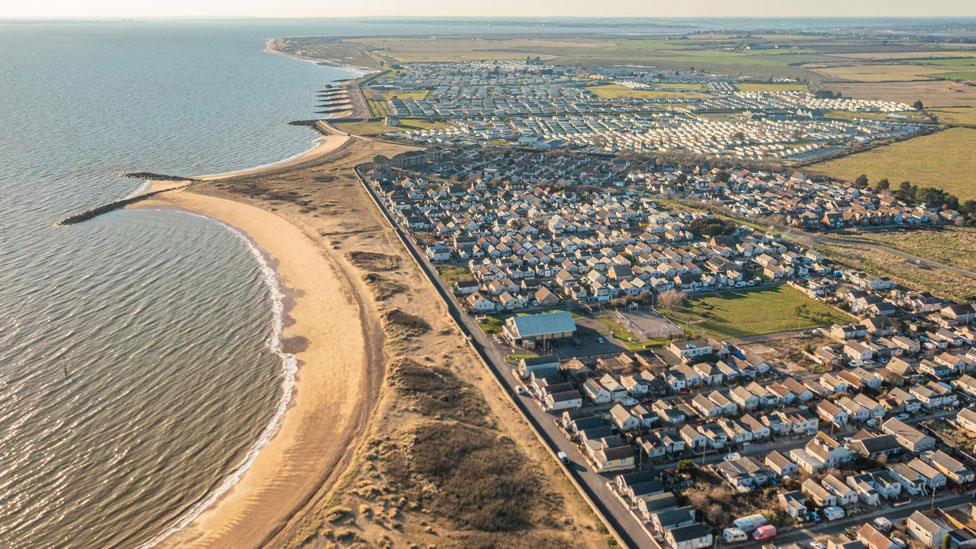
[485, 8]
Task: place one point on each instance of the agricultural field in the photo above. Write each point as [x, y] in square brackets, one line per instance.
[933, 93]
[870, 72]
[615, 91]
[962, 116]
[944, 160]
[754, 312]
[755, 87]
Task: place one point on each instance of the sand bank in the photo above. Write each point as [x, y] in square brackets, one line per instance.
[324, 146]
[327, 334]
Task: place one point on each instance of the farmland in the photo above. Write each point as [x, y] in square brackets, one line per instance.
[944, 160]
[745, 313]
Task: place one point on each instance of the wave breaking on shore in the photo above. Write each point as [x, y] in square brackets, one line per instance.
[289, 366]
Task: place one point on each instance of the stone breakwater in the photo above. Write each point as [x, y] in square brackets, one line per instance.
[114, 205]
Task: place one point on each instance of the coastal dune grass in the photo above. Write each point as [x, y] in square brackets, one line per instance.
[755, 312]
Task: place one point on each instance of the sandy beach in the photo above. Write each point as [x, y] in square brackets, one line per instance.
[325, 330]
[324, 146]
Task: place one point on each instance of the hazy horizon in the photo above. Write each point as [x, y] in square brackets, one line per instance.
[67, 9]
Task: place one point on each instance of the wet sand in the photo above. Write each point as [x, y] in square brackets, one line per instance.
[329, 406]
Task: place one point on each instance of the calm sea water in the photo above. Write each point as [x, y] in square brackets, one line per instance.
[138, 368]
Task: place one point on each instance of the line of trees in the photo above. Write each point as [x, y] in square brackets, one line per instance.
[930, 197]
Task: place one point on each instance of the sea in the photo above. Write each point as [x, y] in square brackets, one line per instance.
[140, 361]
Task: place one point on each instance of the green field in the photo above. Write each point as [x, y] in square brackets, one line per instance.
[452, 274]
[754, 312]
[944, 160]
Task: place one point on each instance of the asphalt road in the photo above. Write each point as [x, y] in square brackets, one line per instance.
[613, 512]
[892, 514]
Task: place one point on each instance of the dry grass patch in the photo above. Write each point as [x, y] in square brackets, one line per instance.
[871, 72]
[944, 160]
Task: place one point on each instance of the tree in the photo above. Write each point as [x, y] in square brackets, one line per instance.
[918, 106]
[671, 299]
[861, 182]
[686, 466]
[883, 185]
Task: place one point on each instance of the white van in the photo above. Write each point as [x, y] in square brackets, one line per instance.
[833, 513]
[734, 535]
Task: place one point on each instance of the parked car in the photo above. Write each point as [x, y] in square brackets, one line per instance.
[901, 417]
[519, 389]
[563, 458]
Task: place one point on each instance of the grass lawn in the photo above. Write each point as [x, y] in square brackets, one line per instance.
[753, 87]
[615, 91]
[944, 160]
[404, 94]
[378, 128]
[613, 327]
[451, 274]
[754, 312]
[491, 324]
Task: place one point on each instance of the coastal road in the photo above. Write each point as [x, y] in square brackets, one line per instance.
[593, 486]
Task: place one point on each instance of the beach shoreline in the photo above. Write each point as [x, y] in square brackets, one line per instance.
[324, 146]
[329, 405]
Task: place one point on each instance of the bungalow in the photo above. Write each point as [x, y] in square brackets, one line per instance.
[695, 536]
[953, 469]
[818, 494]
[831, 413]
[854, 410]
[614, 458]
[668, 412]
[617, 391]
[745, 399]
[793, 503]
[709, 373]
[623, 419]
[934, 479]
[844, 494]
[668, 519]
[692, 438]
[744, 473]
[874, 408]
[780, 465]
[873, 539]
[717, 438]
[909, 437]
[596, 392]
[563, 400]
[862, 484]
[657, 502]
[927, 530]
[874, 446]
[966, 418]
[691, 350]
[719, 399]
[911, 480]
[705, 407]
